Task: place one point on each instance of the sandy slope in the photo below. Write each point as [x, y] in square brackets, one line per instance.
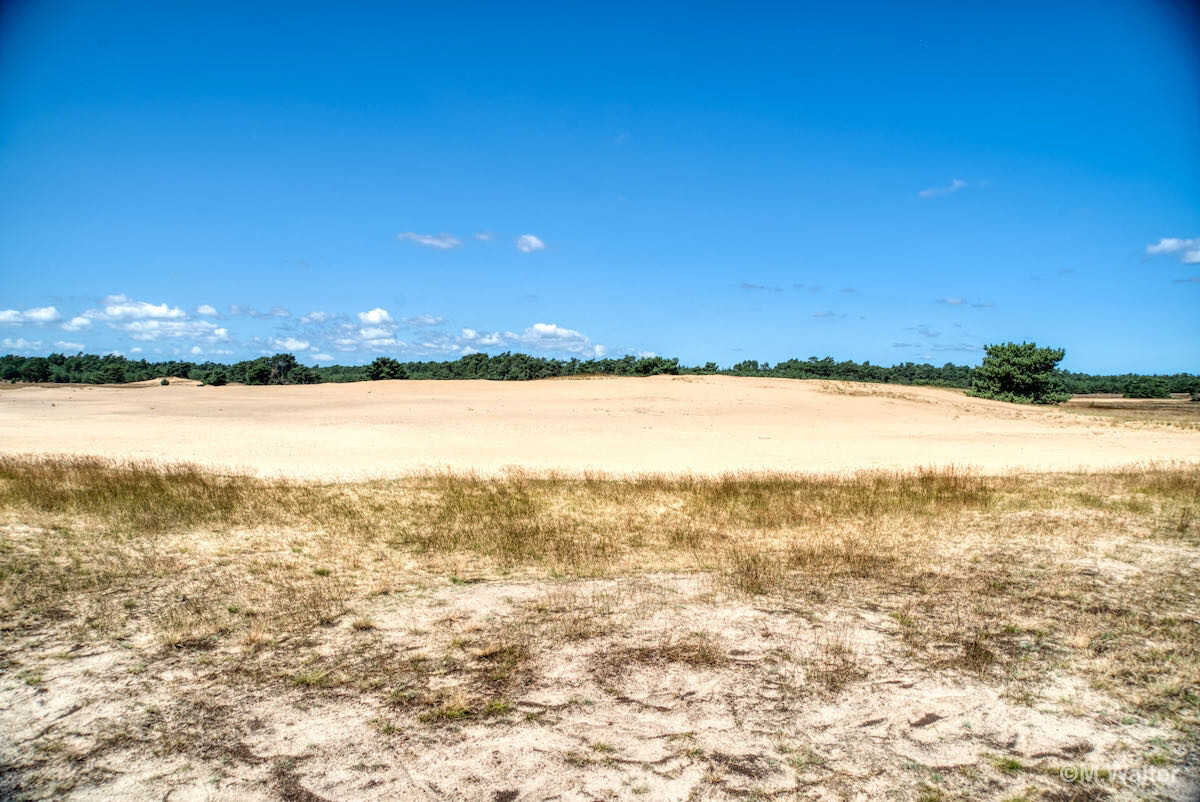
[685, 423]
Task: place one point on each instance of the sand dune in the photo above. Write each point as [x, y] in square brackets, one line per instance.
[667, 423]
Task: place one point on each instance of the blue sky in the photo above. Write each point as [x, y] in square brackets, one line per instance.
[872, 181]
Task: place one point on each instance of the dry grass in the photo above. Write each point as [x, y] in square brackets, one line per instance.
[1176, 411]
[1000, 577]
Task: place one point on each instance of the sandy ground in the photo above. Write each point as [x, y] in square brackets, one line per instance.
[592, 728]
[667, 423]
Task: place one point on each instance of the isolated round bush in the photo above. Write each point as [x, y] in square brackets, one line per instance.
[1020, 373]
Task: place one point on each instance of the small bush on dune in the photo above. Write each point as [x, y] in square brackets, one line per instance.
[1021, 374]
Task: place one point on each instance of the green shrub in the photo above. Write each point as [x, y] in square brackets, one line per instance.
[1021, 374]
[385, 368]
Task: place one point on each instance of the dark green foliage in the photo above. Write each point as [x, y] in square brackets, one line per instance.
[656, 365]
[257, 373]
[164, 382]
[112, 372]
[748, 367]
[285, 369]
[1147, 387]
[303, 374]
[384, 368]
[37, 369]
[1084, 383]
[1020, 373]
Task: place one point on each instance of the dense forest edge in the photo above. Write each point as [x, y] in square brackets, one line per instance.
[286, 369]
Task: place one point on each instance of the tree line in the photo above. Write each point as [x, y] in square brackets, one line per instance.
[286, 369]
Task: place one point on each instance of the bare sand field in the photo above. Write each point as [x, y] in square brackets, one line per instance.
[801, 591]
[705, 424]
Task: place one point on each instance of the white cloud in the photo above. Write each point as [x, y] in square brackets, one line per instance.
[322, 357]
[274, 311]
[377, 331]
[377, 334]
[1188, 249]
[483, 236]
[551, 330]
[150, 330]
[39, 315]
[384, 342]
[206, 309]
[954, 186]
[21, 344]
[538, 337]
[1170, 245]
[440, 241]
[482, 338]
[196, 350]
[68, 346]
[528, 243]
[149, 322]
[42, 314]
[424, 320]
[315, 317]
[289, 344]
[119, 307]
[375, 316]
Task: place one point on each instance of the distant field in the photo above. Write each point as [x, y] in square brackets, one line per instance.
[708, 424]
[1179, 409]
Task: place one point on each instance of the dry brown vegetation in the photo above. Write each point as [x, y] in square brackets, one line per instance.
[1178, 410]
[188, 619]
